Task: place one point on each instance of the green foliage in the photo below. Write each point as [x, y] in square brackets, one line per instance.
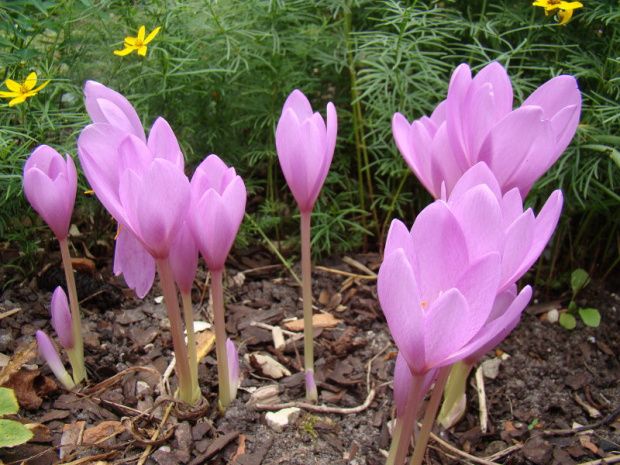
[590, 316]
[12, 433]
[219, 72]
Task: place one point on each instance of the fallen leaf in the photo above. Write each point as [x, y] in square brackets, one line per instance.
[102, 431]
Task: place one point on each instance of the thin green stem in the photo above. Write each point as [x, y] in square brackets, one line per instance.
[76, 355]
[405, 423]
[188, 316]
[274, 248]
[453, 394]
[306, 278]
[217, 293]
[429, 416]
[188, 392]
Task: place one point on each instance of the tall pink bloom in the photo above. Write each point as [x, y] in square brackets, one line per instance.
[48, 351]
[477, 123]
[141, 184]
[218, 198]
[131, 259]
[305, 145]
[50, 185]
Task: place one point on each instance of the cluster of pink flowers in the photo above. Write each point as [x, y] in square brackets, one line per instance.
[447, 285]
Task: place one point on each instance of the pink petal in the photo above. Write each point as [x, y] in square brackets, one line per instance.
[105, 105]
[163, 143]
[184, 259]
[61, 318]
[134, 262]
[299, 103]
[402, 306]
[478, 174]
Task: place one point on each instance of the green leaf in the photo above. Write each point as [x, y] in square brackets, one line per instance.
[579, 279]
[13, 433]
[590, 316]
[572, 307]
[568, 321]
[8, 401]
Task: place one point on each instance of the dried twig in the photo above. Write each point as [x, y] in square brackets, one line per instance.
[482, 400]
[320, 408]
[345, 273]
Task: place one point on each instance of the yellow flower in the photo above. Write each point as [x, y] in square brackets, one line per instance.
[137, 43]
[563, 9]
[20, 92]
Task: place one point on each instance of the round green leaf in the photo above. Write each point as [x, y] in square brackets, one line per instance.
[13, 433]
[8, 401]
[579, 279]
[568, 321]
[590, 316]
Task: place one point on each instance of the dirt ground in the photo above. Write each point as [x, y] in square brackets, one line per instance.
[554, 397]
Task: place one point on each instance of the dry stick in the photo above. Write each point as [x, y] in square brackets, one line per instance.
[149, 448]
[76, 354]
[482, 400]
[605, 461]
[217, 293]
[429, 416]
[345, 273]
[320, 408]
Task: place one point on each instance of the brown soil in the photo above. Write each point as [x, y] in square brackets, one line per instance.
[550, 380]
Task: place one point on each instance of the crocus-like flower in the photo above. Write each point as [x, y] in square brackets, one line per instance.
[218, 199]
[48, 351]
[476, 123]
[19, 92]
[137, 43]
[305, 146]
[50, 184]
[142, 185]
[233, 367]
[105, 105]
[61, 318]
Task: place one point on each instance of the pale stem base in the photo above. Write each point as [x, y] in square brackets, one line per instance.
[188, 316]
[306, 278]
[429, 416]
[77, 356]
[188, 390]
[217, 293]
[453, 394]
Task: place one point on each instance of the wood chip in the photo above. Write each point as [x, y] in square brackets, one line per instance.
[320, 320]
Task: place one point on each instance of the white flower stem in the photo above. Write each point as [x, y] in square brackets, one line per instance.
[306, 278]
[217, 292]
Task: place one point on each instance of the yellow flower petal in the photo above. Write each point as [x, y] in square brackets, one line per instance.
[141, 33]
[564, 16]
[152, 35]
[4, 94]
[142, 51]
[30, 81]
[13, 86]
[17, 100]
[130, 41]
[41, 87]
[125, 51]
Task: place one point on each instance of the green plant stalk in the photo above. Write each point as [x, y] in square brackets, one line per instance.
[454, 392]
[188, 316]
[217, 293]
[274, 248]
[76, 355]
[404, 425]
[188, 392]
[429, 416]
[306, 278]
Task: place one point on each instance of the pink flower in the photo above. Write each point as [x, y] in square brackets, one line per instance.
[50, 185]
[61, 318]
[142, 185]
[476, 123]
[218, 199]
[305, 146]
[105, 105]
